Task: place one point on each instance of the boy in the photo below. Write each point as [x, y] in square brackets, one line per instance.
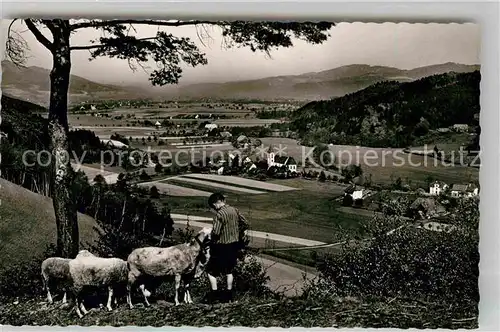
[228, 238]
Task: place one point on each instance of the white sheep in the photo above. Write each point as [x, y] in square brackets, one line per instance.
[89, 270]
[184, 261]
[56, 270]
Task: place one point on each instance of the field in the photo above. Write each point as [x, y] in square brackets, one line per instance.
[242, 182]
[307, 213]
[216, 186]
[384, 164]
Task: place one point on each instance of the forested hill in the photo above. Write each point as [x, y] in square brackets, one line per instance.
[391, 114]
[22, 126]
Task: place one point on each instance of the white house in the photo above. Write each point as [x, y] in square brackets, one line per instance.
[357, 194]
[464, 190]
[437, 188]
[211, 126]
[354, 191]
[113, 143]
[92, 108]
[460, 127]
[158, 124]
[280, 161]
[225, 134]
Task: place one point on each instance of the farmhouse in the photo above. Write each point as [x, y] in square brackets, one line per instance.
[113, 143]
[158, 124]
[460, 127]
[437, 188]
[354, 192]
[211, 126]
[242, 139]
[426, 208]
[225, 134]
[280, 161]
[464, 190]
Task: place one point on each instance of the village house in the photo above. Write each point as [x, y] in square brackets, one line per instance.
[464, 190]
[211, 126]
[157, 124]
[460, 127]
[242, 139]
[114, 144]
[437, 188]
[354, 191]
[225, 134]
[280, 161]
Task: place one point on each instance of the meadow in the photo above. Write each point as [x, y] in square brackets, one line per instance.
[306, 213]
[384, 164]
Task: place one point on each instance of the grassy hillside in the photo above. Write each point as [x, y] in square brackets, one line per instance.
[27, 222]
[33, 84]
[27, 225]
[314, 86]
[391, 113]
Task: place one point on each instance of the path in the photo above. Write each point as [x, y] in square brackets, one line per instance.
[202, 222]
[91, 172]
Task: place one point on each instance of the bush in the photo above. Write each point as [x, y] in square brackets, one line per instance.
[144, 176]
[347, 201]
[158, 168]
[410, 263]
[154, 193]
[322, 177]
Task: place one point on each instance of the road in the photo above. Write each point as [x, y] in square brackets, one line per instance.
[201, 222]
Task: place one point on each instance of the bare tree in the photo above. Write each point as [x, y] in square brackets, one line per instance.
[167, 51]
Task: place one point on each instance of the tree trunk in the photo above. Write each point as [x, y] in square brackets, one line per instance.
[64, 207]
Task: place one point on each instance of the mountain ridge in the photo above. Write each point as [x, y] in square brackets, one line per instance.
[32, 84]
[320, 85]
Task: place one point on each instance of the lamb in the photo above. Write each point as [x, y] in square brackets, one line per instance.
[184, 261]
[56, 270]
[89, 270]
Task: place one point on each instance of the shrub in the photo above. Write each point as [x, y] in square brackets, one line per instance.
[411, 263]
[144, 176]
[358, 202]
[154, 193]
[347, 201]
[322, 177]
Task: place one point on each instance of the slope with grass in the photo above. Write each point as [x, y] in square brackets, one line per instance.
[27, 225]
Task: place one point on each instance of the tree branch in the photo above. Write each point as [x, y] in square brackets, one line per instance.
[91, 47]
[38, 35]
[105, 23]
[16, 46]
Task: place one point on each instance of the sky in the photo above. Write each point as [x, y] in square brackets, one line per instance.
[400, 45]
